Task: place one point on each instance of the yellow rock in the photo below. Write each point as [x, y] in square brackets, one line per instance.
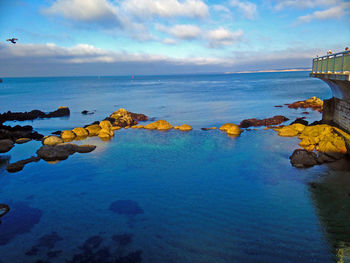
[81, 132]
[22, 140]
[52, 140]
[67, 135]
[159, 125]
[226, 126]
[183, 127]
[298, 126]
[233, 130]
[104, 133]
[137, 127]
[309, 148]
[106, 125]
[288, 131]
[115, 128]
[126, 127]
[93, 129]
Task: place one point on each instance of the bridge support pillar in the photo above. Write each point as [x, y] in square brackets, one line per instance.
[337, 112]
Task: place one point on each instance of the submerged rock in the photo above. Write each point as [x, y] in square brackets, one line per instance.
[19, 165]
[161, 125]
[302, 158]
[313, 103]
[275, 120]
[23, 140]
[6, 145]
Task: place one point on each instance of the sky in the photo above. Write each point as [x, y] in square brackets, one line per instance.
[154, 37]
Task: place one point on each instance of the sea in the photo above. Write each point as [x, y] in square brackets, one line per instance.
[155, 196]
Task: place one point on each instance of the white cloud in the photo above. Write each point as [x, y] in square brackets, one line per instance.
[222, 37]
[301, 4]
[85, 10]
[181, 31]
[169, 41]
[248, 9]
[333, 12]
[166, 8]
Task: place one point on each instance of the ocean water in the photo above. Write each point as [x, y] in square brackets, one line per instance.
[150, 196]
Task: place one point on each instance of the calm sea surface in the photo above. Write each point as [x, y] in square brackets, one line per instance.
[149, 196]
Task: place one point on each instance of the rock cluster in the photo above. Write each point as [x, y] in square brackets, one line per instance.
[161, 125]
[62, 151]
[231, 129]
[275, 120]
[303, 159]
[313, 103]
[34, 114]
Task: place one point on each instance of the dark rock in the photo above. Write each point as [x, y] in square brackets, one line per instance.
[17, 132]
[278, 106]
[134, 257]
[276, 120]
[313, 103]
[316, 123]
[34, 114]
[33, 251]
[305, 112]
[19, 165]
[303, 159]
[208, 129]
[123, 239]
[62, 151]
[56, 132]
[22, 140]
[4, 209]
[20, 220]
[138, 116]
[85, 148]
[129, 208]
[324, 158]
[54, 253]
[334, 155]
[301, 121]
[49, 240]
[86, 112]
[6, 145]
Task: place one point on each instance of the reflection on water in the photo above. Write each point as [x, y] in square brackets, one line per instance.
[331, 197]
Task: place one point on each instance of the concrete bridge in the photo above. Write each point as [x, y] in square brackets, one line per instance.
[334, 69]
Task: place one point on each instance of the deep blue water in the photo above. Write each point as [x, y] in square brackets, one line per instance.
[170, 196]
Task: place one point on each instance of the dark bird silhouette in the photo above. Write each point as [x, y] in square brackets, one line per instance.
[12, 40]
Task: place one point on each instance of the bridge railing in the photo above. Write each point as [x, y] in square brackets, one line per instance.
[338, 63]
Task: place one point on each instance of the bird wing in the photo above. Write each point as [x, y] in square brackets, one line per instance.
[14, 38]
[8, 39]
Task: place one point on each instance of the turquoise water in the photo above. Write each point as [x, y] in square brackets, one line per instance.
[149, 196]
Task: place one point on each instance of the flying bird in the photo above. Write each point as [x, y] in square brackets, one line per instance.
[12, 40]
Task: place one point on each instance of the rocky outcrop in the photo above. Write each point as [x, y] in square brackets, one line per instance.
[275, 120]
[6, 145]
[313, 103]
[122, 118]
[161, 125]
[138, 116]
[208, 129]
[81, 132]
[183, 127]
[93, 129]
[34, 114]
[18, 166]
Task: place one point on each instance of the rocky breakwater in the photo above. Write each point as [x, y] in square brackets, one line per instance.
[275, 120]
[321, 143]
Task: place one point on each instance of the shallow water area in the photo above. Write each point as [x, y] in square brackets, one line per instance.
[198, 196]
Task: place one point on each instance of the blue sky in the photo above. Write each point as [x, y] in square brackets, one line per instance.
[126, 37]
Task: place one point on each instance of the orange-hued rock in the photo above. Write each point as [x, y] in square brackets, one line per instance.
[183, 127]
[93, 129]
[106, 125]
[115, 128]
[161, 125]
[123, 118]
[137, 127]
[104, 133]
[231, 129]
[52, 140]
[68, 135]
[81, 132]
[313, 103]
